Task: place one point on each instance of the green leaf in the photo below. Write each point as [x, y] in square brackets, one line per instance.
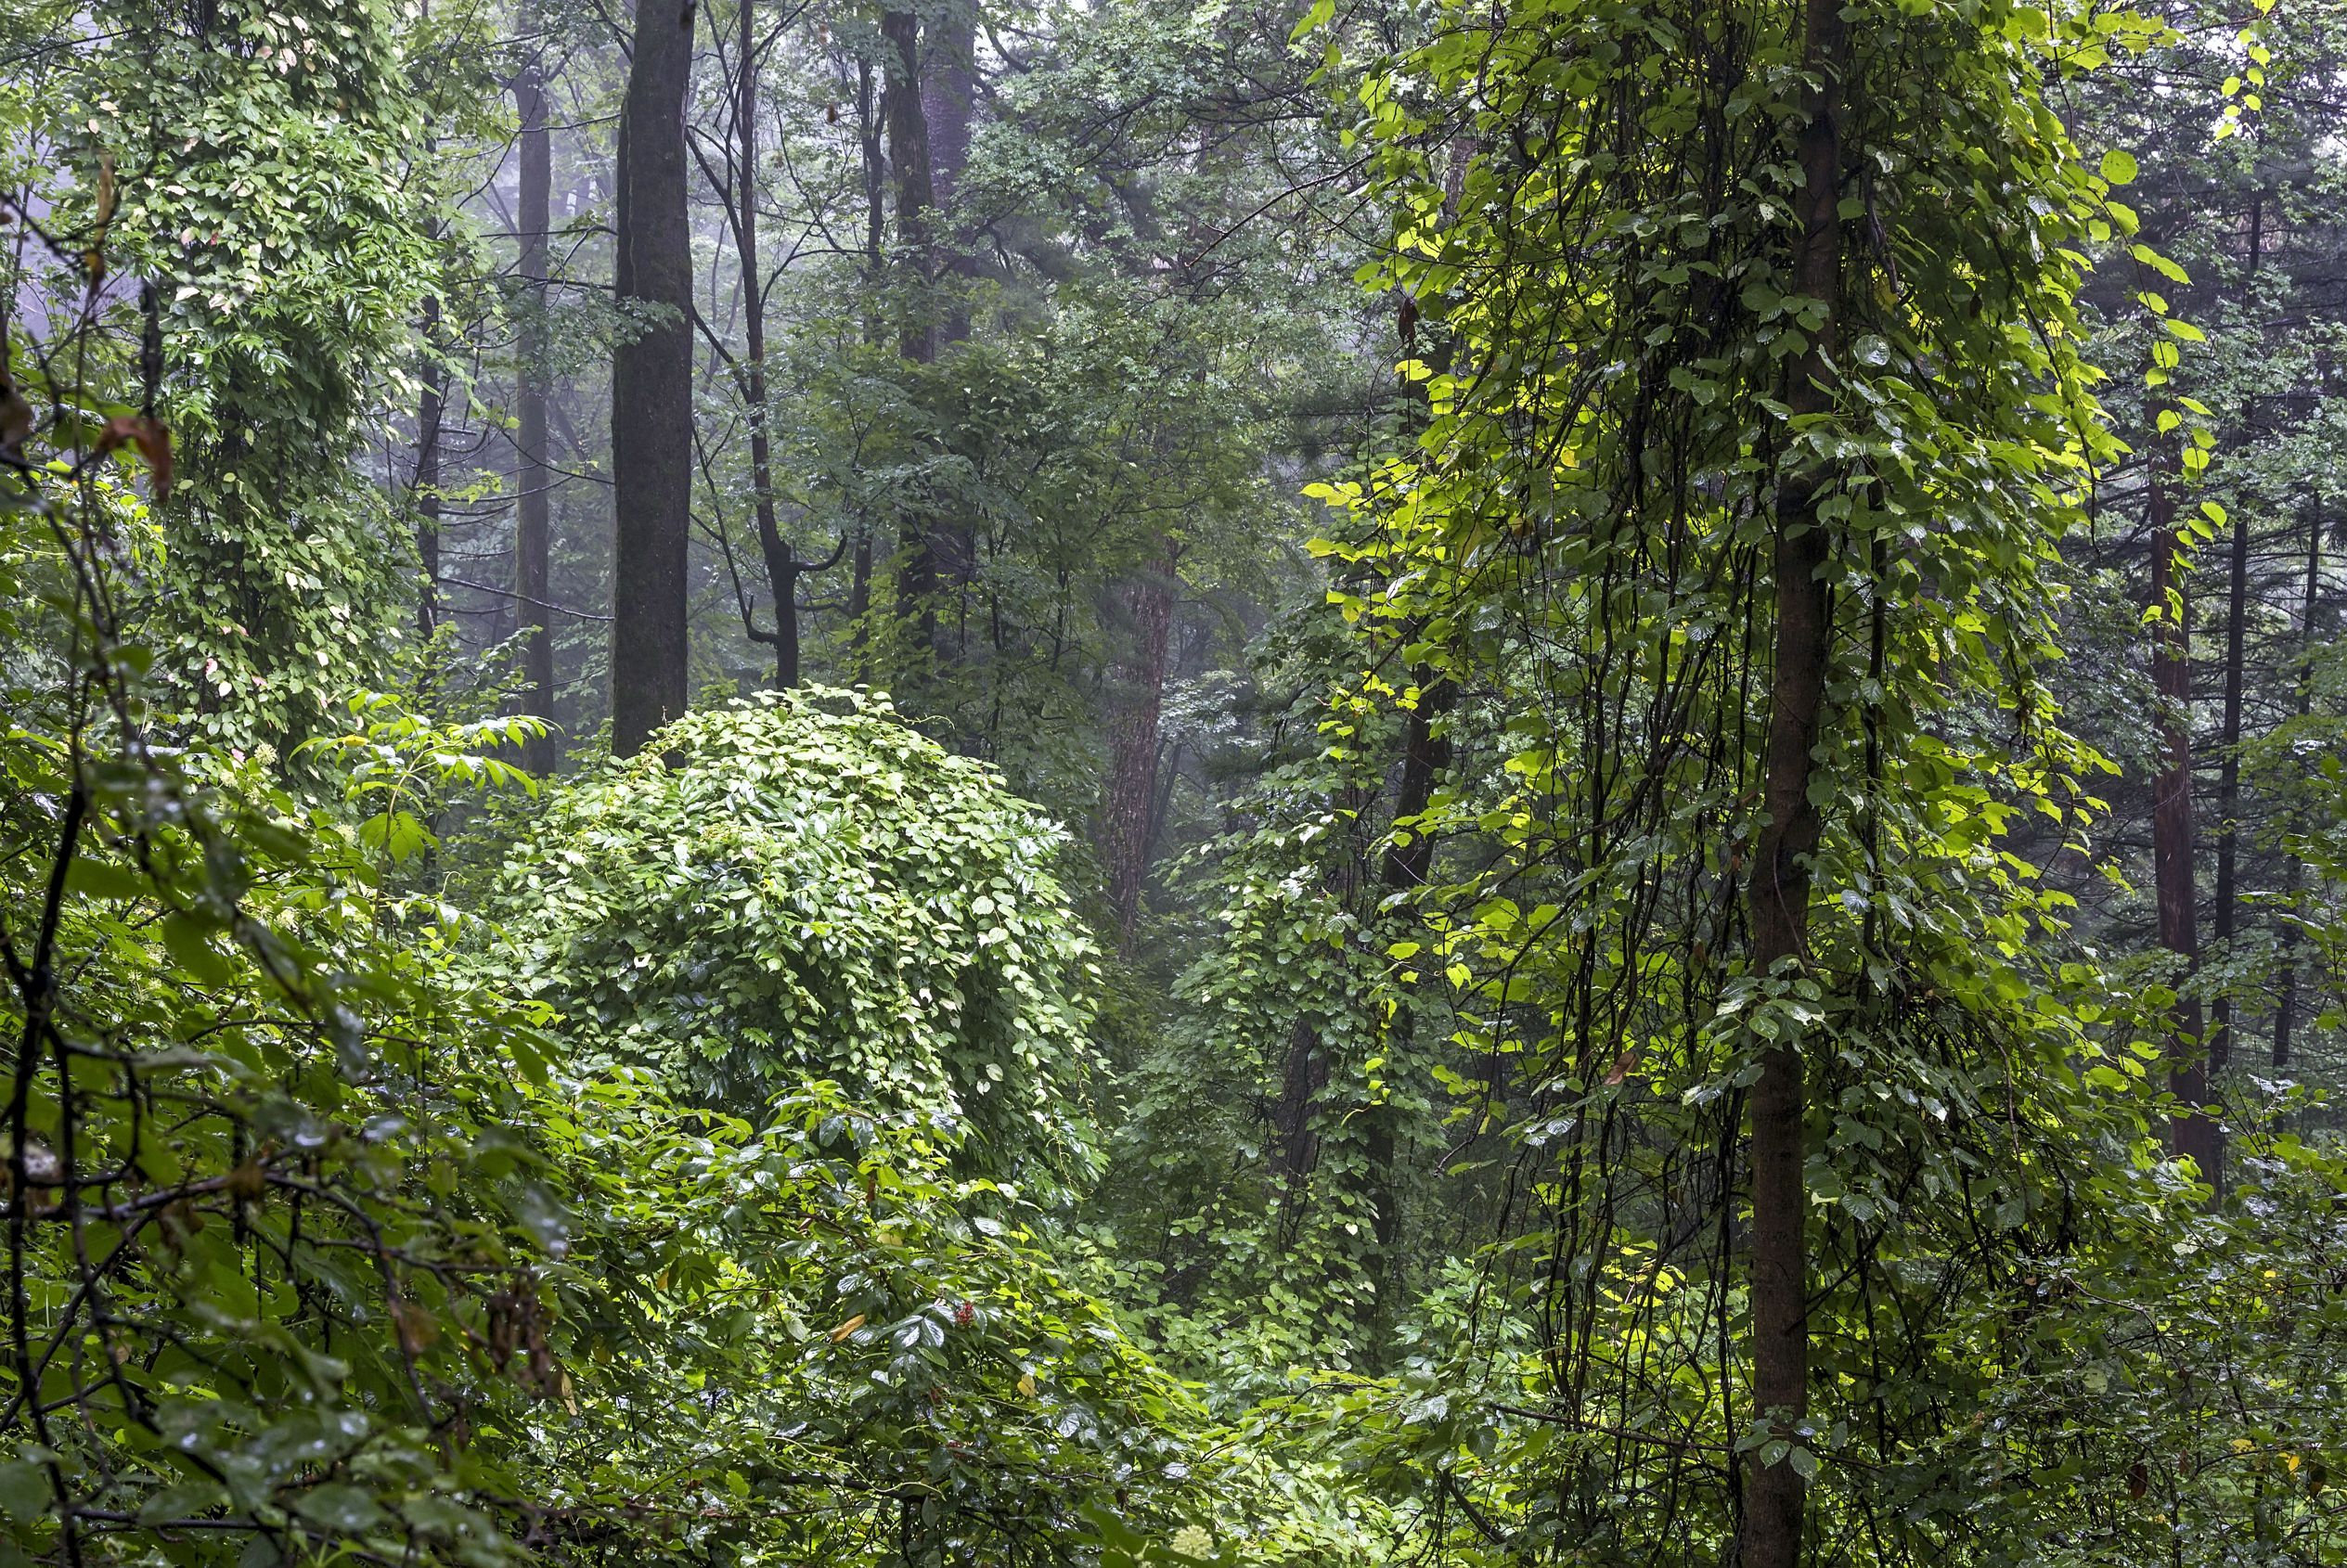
[188, 940]
[24, 1490]
[340, 1507]
[99, 879]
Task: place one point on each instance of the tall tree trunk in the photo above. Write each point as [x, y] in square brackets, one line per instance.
[431, 413]
[652, 384]
[1293, 1147]
[782, 565]
[533, 474]
[1127, 811]
[2286, 1002]
[1426, 757]
[1777, 893]
[2192, 1131]
[917, 337]
[2229, 761]
[949, 95]
[867, 125]
[2229, 782]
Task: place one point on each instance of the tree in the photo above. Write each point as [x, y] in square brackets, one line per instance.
[651, 383]
[1777, 893]
[1129, 804]
[735, 176]
[532, 476]
[1745, 608]
[2193, 1133]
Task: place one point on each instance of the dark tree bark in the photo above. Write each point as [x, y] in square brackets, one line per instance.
[1128, 810]
[2192, 1131]
[652, 384]
[533, 475]
[1295, 1146]
[1777, 893]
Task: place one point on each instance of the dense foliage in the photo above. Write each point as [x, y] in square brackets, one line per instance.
[799, 887]
[1546, 784]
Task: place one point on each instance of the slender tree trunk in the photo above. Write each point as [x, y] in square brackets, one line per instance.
[2229, 782]
[431, 413]
[2286, 1002]
[652, 384]
[917, 336]
[533, 475]
[2229, 761]
[867, 125]
[1128, 810]
[783, 566]
[2193, 1133]
[949, 94]
[1426, 757]
[1777, 895]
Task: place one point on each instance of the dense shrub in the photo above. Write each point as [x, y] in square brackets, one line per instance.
[800, 887]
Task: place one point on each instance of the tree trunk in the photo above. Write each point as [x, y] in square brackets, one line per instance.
[917, 337]
[2286, 1002]
[652, 384]
[949, 94]
[869, 130]
[1777, 893]
[1303, 1074]
[1426, 757]
[782, 565]
[948, 97]
[1128, 811]
[431, 413]
[533, 475]
[2229, 762]
[2229, 783]
[2192, 1133]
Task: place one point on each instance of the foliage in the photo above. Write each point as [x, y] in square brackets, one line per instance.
[744, 1153]
[1596, 204]
[322, 1248]
[1241, 1153]
[798, 887]
[252, 163]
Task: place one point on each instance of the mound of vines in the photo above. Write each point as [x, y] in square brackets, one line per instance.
[799, 887]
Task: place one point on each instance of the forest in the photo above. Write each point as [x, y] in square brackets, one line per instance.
[1173, 783]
